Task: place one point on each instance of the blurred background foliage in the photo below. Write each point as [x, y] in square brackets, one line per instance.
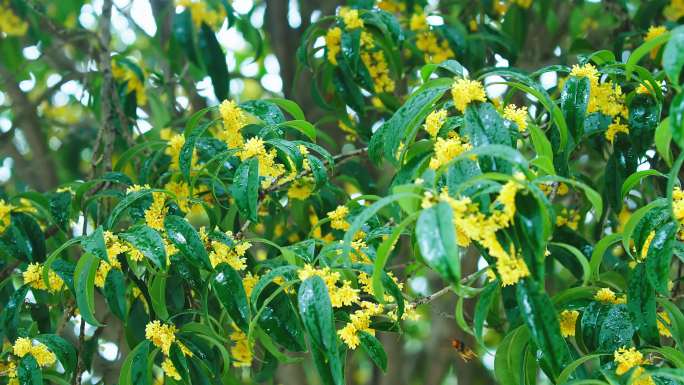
[171, 59]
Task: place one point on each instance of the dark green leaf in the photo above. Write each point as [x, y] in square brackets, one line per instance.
[673, 56]
[29, 372]
[484, 125]
[84, 283]
[9, 319]
[641, 303]
[574, 100]
[134, 370]
[374, 349]
[228, 287]
[660, 256]
[115, 293]
[484, 303]
[185, 238]
[215, 61]
[65, 352]
[437, 241]
[148, 241]
[317, 315]
[245, 188]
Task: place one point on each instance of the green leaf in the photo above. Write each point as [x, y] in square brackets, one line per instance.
[404, 124]
[581, 258]
[84, 283]
[570, 369]
[436, 238]
[541, 319]
[616, 329]
[157, 288]
[659, 257]
[65, 352]
[124, 204]
[317, 315]
[383, 252]
[187, 152]
[599, 251]
[9, 318]
[676, 119]
[180, 363]
[641, 303]
[134, 370]
[115, 293]
[574, 100]
[484, 126]
[95, 244]
[266, 111]
[542, 145]
[185, 238]
[642, 51]
[673, 55]
[635, 178]
[148, 241]
[508, 361]
[484, 303]
[663, 138]
[215, 61]
[245, 188]
[302, 126]
[183, 32]
[374, 349]
[29, 372]
[290, 107]
[59, 204]
[228, 287]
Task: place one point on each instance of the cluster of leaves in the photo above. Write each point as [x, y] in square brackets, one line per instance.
[235, 242]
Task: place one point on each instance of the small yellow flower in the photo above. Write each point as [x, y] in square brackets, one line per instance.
[466, 91]
[615, 128]
[448, 149]
[351, 19]
[517, 116]
[233, 121]
[434, 121]
[338, 219]
[653, 32]
[161, 335]
[418, 22]
[5, 217]
[240, 351]
[627, 359]
[568, 319]
[333, 39]
[170, 370]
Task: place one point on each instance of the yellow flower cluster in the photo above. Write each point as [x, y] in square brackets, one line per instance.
[155, 214]
[627, 359]
[615, 128]
[9, 370]
[240, 351]
[379, 71]
[114, 248]
[200, 13]
[345, 295]
[67, 114]
[522, 3]
[333, 39]
[182, 192]
[427, 41]
[359, 321]
[268, 167]
[675, 10]
[605, 97]
[517, 116]
[434, 121]
[473, 225]
[678, 204]
[448, 149]
[133, 82]
[163, 336]
[249, 281]
[568, 319]
[351, 19]
[5, 217]
[301, 188]
[392, 6]
[24, 346]
[465, 92]
[652, 33]
[568, 217]
[173, 149]
[606, 295]
[33, 276]
[10, 23]
[232, 255]
[233, 120]
[338, 217]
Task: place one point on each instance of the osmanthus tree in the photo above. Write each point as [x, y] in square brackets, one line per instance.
[228, 240]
